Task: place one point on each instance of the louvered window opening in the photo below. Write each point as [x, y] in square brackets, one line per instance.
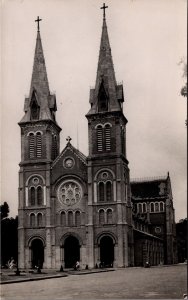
[108, 137]
[99, 138]
[31, 146]
[39, 144]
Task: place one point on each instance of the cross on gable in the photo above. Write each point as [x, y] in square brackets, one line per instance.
[104, 7]
[68, 139]
[38, 20]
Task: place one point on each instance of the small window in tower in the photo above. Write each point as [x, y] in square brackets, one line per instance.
[39, 220]
[101, 191]
[63, 218]
[161, 206]
[144, 207]
[108, 191]
[101, 217]
[39, 195]
[31, 145]
[109, 216]
[152, 207]
[32, 220]
[99, 138]
[39, 144]
[32, 195]
[156, 206]
[108, 137]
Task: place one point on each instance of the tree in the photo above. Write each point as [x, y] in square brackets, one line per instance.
[181, 234]
[4, 210]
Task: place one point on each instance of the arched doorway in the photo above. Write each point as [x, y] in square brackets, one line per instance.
[71, 251]
[106, 251]
[37, 253]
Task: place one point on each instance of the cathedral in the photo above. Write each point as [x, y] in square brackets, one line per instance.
[74, 207]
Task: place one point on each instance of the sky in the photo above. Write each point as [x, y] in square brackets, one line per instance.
[148, 40]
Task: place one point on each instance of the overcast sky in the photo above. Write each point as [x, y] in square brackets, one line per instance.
[148, 39]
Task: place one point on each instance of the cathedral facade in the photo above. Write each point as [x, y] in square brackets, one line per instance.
[74, 207]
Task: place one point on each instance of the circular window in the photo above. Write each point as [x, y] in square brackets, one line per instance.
[157, 229]
[69, 192]
[35, 180]
[68, 163]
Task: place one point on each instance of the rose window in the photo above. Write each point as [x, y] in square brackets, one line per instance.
[69, 193]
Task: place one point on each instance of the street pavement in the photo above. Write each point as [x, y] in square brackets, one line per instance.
[164, 282]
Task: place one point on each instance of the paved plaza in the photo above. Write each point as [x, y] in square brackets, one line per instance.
[165, 282]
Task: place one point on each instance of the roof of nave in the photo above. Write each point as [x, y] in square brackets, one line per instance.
[150, 188]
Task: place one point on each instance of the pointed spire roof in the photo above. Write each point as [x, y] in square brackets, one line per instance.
[106, 79]
[39, 89]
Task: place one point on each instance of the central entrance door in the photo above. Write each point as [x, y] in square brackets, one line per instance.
[71, 251]
[106, 251]
[37, 253]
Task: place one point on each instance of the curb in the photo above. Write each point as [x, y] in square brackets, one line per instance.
[32, 279]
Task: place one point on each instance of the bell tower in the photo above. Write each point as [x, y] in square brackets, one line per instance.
[109, 202]
[39, 147]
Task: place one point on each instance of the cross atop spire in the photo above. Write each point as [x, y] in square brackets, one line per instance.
[104, 7]
[38, 20]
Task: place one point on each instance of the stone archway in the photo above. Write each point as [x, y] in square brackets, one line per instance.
[71, 251]
[106, 251]
[37, 253]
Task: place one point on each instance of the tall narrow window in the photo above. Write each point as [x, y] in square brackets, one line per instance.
[77, 218]
[99, 138]
[139, 207]
[107, 137]
[108, 191]
[109, 216]
[39, 144]
[39, 195]
[102, 98]
[39, 220]
[31, 145]
[161, 206]
[101, 191]
[54, 146]
[32, 195]
[32, 220]
[63, 218]
[156, 206]
[152, 207]
[144, 207]
[101, 217]
[70, 218]
[34, 108]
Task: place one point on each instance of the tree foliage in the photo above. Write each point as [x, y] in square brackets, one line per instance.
[181, 234]
[4, 210]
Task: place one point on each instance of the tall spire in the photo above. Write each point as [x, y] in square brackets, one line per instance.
[40, 100]
[107, 95]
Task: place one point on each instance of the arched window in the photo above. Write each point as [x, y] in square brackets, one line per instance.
[32, 195]
[31, 145]
[151, 207]
[107, 137]
[39, 220]
[70, 218]
[101, 217]
[161, 206]
[156, 206]
[108, 191]
[101, 191]
[109, 216]
[32, 220]
[39, 144]
[144, 207]
[77, 218]
[63, 218]
[39, 195]
[99, 138]
[140, 207]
